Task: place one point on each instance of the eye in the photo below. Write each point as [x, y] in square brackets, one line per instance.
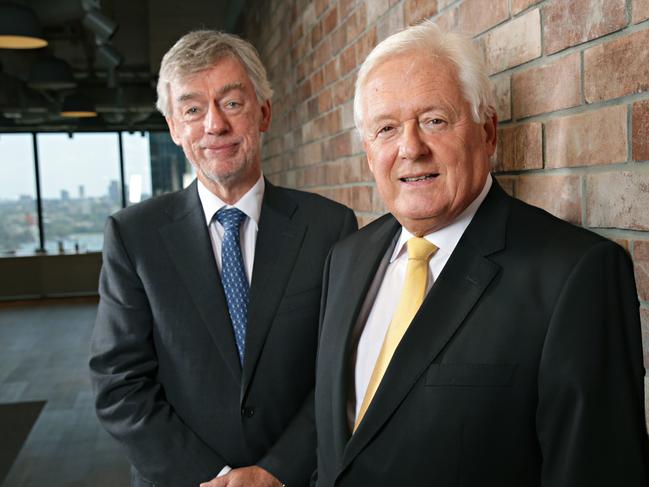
[385, 131]
[232, 104]
[432, 123]
[191, 111]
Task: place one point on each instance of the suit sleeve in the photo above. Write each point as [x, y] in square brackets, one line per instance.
[292, 459]
[130, 403]
[590, 417]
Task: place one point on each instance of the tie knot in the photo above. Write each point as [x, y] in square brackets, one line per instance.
[420, 249]
[230, 218]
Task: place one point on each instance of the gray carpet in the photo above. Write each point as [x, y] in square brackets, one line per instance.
[16, 421]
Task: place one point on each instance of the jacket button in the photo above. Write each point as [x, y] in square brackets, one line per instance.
[247, 412]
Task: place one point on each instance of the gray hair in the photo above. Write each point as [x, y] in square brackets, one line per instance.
[200, 50]
[428, 39]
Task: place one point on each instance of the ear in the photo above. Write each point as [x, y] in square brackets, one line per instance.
[173, 130]
[266, 115]
[490, 128]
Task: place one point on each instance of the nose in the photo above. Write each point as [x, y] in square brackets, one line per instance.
[411, 144]
[215, 121]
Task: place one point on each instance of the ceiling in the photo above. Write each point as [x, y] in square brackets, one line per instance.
[123, 96]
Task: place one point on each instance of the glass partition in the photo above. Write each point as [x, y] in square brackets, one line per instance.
[80, 187]
[18, 213]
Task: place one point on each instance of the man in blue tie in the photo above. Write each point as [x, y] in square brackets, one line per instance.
[203, 352]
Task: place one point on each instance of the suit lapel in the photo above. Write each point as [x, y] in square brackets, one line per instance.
[360, 271]
[455, 293]
[279, 240]
[187, 241]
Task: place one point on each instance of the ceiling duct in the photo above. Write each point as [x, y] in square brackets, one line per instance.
[51, 73]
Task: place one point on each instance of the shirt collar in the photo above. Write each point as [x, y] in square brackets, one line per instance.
[446, 239]
[250, 203]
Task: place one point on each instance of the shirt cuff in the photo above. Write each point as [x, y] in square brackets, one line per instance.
[224, 471]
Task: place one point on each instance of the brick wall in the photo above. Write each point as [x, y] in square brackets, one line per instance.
[572, 84]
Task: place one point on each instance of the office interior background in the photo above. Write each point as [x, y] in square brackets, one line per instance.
[572, 85]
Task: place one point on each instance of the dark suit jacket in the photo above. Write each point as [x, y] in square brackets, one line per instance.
[164, 365]
[523, 366]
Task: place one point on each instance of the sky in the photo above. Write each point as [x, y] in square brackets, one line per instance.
[89, 159]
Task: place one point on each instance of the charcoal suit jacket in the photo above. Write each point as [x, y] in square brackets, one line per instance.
[164, 365]
[523, 366]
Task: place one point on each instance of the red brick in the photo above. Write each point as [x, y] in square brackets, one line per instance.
[641, 268]
[339, 146]
[617, 68]
[474, 18]
[547, 88]
[346, 7]
[365, 44]
[507, 183]
[447, 20]
[343, 90]
[325, 101]
[347, 60]
[358, 198]
[618, 200]
[347, 115]
[331, 71]
[520, 5]
[375, 9]
[322, 54]
[559, 195]
[390, 24]
[520, 148]
[365, 168]
[640, 130]
[365, 219]
[513, 43]
[316, 34]
[414, 11]
[570, 22]
[503, 93]
[330, 20]
[378, 206]
[316, 82]
[320, 6]
[595, 137]
[640, 11]
[356, 23]
[338, 39]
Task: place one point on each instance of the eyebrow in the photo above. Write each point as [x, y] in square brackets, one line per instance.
[386, 116]
[222, 91]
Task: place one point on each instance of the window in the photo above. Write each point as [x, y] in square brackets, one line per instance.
[137, 166]
[18, 214]
[80, 187]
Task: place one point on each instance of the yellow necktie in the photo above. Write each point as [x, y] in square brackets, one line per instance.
[419, 252]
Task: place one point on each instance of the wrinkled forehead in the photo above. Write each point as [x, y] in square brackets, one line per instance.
[407, 78]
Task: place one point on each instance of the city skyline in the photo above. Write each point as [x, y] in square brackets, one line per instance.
[89, 159]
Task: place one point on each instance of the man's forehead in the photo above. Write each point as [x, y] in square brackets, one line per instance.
[225, 74]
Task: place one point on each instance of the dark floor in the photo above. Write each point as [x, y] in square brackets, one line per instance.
[43, 356]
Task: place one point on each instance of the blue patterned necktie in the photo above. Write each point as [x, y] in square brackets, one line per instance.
[233, 274]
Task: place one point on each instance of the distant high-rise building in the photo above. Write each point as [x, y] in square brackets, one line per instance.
[82, 191]
[113, 192]
[65, 195]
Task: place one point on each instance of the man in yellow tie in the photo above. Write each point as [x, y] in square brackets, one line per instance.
[466, 338]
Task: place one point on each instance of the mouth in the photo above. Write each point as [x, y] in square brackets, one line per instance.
[220, 147]
[415, 179]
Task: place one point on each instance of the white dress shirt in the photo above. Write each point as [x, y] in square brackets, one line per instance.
[386, 300]
[250, 204]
